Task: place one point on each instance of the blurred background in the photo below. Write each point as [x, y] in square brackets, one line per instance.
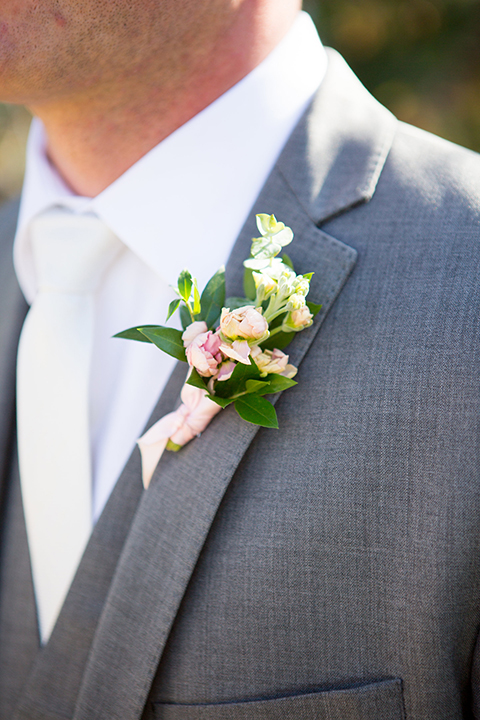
[420, 58]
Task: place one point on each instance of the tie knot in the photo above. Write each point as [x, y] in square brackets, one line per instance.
[71, 252]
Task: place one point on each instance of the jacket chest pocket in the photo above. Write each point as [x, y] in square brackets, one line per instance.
[374, 701]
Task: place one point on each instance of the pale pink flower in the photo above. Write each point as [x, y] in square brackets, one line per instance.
[245, 322]
[302, 317]
[203, 353]
[299, 319]
[195, 328]
[225, 370]
[239, 350]
[289, 372]
[272, 361]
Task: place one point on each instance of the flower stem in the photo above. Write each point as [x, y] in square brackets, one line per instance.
[189, 308]
[275, 331]
[174, 447]
[276, 314]
[271, 307]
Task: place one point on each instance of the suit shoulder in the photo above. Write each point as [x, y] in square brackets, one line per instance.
[440, 173]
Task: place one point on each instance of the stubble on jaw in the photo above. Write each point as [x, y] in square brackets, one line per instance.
[55, 49]
[110, 79]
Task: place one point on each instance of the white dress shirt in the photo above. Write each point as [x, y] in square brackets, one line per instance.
[181, 205]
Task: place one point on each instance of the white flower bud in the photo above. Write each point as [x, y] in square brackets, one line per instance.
[301, 285]
[264, 285]
[286, 283]
[296, 302]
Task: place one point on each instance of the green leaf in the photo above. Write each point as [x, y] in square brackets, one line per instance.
[314, 309]
[196, 299]
[255, 409]
[249, 284]
[279, 340]
[278, 383]
[236, 383]
[213, 298]
[223, 402]
[172, 307]
[167, 339]
[287, 260]
[308, 276]
[260, 386]
[197, 380]
[135, 333]
[185, 285]
[185, 318]
[235, 302]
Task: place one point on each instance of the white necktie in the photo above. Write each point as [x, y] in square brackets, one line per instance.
[71, 253]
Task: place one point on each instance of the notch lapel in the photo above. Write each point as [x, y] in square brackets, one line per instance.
[325, 154]
[336, 154]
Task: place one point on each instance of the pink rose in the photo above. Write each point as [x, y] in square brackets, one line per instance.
[203, 353]
[191, 332]
[243, 323]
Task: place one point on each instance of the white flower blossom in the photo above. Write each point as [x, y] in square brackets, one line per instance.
[295, 302]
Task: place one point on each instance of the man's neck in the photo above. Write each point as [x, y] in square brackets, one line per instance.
[93, 138]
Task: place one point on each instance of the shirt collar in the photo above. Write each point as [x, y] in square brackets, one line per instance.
[194, 190]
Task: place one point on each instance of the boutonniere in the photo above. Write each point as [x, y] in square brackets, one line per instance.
[234, 346]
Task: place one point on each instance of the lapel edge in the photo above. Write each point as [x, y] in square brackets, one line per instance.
[162, 522]
[344, 139]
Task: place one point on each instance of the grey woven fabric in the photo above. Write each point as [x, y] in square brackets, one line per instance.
[19, 641]
[329, 569]
[376, 701]
[18, 631]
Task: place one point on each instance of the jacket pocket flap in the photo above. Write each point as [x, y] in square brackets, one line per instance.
[381, 700]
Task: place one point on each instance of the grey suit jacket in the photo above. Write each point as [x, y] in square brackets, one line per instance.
[329, 569]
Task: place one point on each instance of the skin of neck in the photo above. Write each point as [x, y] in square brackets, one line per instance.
[100, 129]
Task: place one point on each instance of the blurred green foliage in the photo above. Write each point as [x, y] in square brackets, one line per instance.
[420, 58]
[14, 124]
